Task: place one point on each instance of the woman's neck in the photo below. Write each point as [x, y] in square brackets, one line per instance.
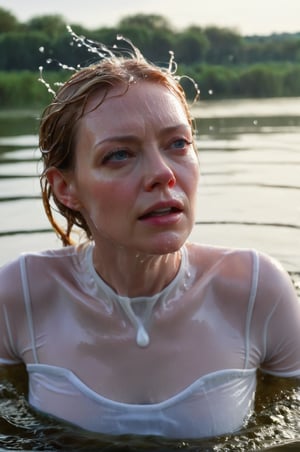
[136, 274]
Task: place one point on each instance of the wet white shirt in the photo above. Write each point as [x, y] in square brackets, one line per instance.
[181, 363]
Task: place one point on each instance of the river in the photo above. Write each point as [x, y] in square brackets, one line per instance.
[249, 196]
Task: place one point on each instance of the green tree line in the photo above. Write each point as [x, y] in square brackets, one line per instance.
[221, 61]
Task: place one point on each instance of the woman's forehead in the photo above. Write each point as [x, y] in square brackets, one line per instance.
[142, 107]
[141, 96]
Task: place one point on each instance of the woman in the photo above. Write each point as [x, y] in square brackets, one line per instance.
[134, 329]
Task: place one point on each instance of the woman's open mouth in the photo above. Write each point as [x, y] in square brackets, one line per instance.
[160, 212]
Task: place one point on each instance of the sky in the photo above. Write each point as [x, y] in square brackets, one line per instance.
[248, 17]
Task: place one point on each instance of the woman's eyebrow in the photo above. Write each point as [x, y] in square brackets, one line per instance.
[175, 128]
[119, 138]
[135, 138]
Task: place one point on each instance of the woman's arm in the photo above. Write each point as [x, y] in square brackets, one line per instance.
[280, 339]
[11, 313]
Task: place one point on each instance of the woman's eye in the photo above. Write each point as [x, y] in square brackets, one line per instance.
[116, 156]
[181, 143]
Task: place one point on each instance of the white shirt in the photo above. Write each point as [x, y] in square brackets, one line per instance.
[87, 353]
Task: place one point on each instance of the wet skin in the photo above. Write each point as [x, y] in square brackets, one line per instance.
[136, 174]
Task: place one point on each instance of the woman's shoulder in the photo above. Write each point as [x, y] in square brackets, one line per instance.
[72, 252]
[233, 260]
[227, 271]
[39, 277]
[34, 265]
[243, 269]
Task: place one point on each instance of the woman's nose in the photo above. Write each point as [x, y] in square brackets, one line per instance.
[158, 173]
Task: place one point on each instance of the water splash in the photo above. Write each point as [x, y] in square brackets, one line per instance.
[172, 63]
[179, 78]
[92, 46]
[44, 82]
[172, 69]
[133, 50]
[103, 52]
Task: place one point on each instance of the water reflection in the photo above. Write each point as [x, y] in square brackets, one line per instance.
[248, 196]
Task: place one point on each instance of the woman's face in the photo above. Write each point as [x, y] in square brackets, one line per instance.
[136, 171]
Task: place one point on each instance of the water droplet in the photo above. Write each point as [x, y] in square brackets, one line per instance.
[172, 63]
[142, 337]
[210, 92]
[255, 122]
[42, 49]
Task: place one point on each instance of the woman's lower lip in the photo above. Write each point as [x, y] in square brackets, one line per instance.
[162, 220]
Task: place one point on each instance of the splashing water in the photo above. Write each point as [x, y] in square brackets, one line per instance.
[103, 52]
[42, 80]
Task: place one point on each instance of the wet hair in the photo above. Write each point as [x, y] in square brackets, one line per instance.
[59, 122]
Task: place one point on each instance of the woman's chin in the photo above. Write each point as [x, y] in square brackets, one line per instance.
[164, 245]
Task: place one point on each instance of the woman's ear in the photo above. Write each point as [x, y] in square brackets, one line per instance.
[63, 188]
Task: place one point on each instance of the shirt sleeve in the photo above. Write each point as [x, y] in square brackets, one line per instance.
[11, 311]
[277, 304]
